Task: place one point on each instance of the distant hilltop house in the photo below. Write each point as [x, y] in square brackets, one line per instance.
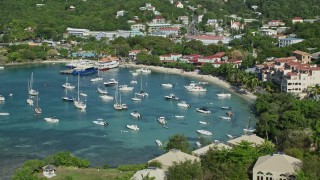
[153, 27]
[158, 20]
[49, 171]
[170, 31]
[236, 25]
[133, 54]
[120, 13]
[276, 166]
[297, 20]
[179, 4]
[138, 27]
[274, 23]
[289, 41]
[78, 32]
[184, 19]
[268, 32]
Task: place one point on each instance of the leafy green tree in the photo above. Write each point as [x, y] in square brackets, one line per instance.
[185, 170]
[207, 68]
[178, 141]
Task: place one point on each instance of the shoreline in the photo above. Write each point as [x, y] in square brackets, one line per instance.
[208, 78]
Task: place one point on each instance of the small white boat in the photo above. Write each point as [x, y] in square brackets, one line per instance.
[135, 98]
[68, 85]
[197, 89]
[4, 114]
[230, 136]
[2, 98]
[30, 101]
[191, 85]
[135, 114]
[102, 91]
[183, 104]
[178, 116]
[167, 85]
[143, 70]
[96, 79]
[198, 144]
[133, 127]
[100, 122]
[162, 120]
[159, 143]
[125, 88]
[203, 110]
[203, 122]
[204, 132]
[10, 94]
[133, 82]
[142, 93]
[224, 95]
[203, 83]
[171, 97]
[135, 73]
[111, 82]
[249, 130]
[83, 94]
[106, 97]
[225, 117]
[225, 107]
[51, 119]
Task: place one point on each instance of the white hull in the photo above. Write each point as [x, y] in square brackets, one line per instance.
[183, 104]
[51, 120]
[100, 123]
[136, 99]
[142, 94]
[125, 88]
[162, 120]
[120, 106]
[96, 79]
[180, 117]
[203, 122]
[38, 110]
[102, 91]
[159, 143]
[167, 85]
[135, 114]
[249, 130]
[2, 98]
[203, 111]
[204, 132]
[68, 86]
[33, 92]
[80, 105]
[224, 95]
[30, 102]
[198, 144]
[133, 127]
[4, 114]
[106, 97]
[108, 65]
[225, 117]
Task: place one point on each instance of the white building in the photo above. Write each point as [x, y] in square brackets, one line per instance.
[179, 4]
[155, 27]
[289, 41]
[206, 39]
[268, 32]
[120, 13]
[275, 167]
[138, 27]
[78, 32]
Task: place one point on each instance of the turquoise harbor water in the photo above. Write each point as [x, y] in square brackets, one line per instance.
[24, 135]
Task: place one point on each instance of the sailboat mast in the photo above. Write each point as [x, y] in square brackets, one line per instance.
[78, 86]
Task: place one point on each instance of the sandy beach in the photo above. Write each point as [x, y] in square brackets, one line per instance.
[208, 78]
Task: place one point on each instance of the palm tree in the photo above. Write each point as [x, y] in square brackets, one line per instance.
[315, 91]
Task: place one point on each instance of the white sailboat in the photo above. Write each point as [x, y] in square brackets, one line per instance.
[248, 129]
[67, 97]
[32, 92]
[38, 110]
[79, 103]
[141, 93]
[68, 85]
[135, 98]
[98, 78]
[118, 105]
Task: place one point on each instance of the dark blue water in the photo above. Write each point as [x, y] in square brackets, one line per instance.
[22, 134]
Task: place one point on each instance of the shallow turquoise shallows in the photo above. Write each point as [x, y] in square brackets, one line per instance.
[25, 135]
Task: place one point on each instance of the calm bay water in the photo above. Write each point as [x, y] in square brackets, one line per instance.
[24, 135]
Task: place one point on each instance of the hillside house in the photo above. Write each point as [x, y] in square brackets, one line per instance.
[297, 20]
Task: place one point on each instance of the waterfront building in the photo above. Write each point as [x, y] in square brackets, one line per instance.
[170, 57]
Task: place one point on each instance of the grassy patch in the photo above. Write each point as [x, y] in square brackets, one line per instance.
[71, 173]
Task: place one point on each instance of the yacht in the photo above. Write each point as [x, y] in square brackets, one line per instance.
[203, 110]
[106, 65]
[171, 97]
[100, 122]
[118, 105]
[224, 95]
[51, 119]
[135, 73]
[125, 88]
[204, 132]
[191, 85]
[32, 92]
[4, 114]
[203, 122]
[133, 127]
[203, 83]
[135, 98]
[197, 89]
[96, 79]
[106, 97]
[183, 104]
[179, 116]
[78, 103]
[162, 120]
[225, 117]
[167, 85]
[2, 98]
[133, 82]
[225, 107]
[111, 82]
[158, 142]
[249, 130]
[135, 114]
[102, 91]
[76, 63]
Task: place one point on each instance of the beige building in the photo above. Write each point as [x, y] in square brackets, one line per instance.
[252, 138]
[215, 145]
[172, 156]
[302, 57]
[275, 167]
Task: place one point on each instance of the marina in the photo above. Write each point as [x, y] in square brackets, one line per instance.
[76, 131]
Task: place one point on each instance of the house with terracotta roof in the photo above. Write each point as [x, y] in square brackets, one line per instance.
[276, 166]
[236, 25]
[303, 57]
[297, 20]
[170, 57]
[170, 31]
[158, 20]
[274, 23]
[133, 54]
